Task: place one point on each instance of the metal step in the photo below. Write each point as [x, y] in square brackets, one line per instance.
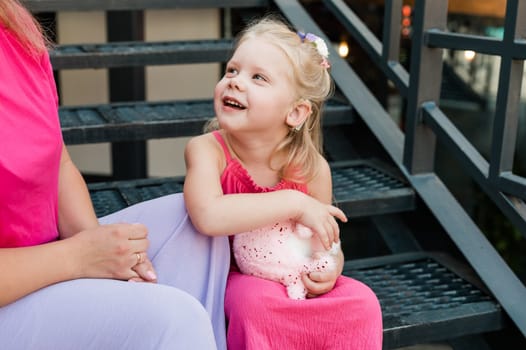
[427, 298]
[133, 121]
[137, 53]
[114, 5]
[361, 188]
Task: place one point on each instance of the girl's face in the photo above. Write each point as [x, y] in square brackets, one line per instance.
[256, 93]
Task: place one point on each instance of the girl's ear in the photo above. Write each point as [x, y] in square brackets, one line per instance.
[299, 114]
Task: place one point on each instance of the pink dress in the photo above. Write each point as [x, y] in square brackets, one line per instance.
[261, 316]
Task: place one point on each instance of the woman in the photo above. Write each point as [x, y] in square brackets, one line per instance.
[66, 278]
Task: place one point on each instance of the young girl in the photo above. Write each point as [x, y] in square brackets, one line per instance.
[66, 278]
[262, 165]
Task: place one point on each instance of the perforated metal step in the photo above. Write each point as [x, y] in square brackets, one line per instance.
[360, 188]
[132, 54]
[426, 298]
[132, 121]
[105, 5]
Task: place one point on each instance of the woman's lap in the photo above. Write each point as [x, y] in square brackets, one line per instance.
[106, 314]
[182, 257]
[96, 313]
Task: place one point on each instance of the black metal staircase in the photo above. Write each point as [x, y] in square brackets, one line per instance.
[461, 295]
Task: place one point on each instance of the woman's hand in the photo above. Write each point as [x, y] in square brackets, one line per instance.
[144, 269]
[114, 251]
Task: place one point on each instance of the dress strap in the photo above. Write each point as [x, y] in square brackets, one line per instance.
[222, 142]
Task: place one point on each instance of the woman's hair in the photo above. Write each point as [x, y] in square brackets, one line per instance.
[17, 19]
[313, 83]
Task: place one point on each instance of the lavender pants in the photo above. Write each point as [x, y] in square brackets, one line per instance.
[184, 310]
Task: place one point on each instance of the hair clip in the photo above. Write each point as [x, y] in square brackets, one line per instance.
[319, 44]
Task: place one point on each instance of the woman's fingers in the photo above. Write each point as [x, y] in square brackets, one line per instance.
[116, 249]
[138, 245]
[137, 231]
[145, 269]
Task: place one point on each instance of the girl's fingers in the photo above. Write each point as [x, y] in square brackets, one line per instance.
[317, 284]
[329, 233]
[337, 212]
[336, 232]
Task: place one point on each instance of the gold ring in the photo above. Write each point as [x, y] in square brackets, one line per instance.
[139, 258]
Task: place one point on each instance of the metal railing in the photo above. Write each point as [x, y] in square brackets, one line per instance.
[414, 149]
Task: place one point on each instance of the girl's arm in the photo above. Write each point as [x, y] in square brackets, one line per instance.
[76, 211]
[318, 283]
[214, 213]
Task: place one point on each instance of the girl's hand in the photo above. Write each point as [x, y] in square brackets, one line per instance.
[318, 283]
[111, 251]
[321, 282]
[321, 219]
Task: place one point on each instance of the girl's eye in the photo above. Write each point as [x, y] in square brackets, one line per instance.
[259, 77]
[231, 71]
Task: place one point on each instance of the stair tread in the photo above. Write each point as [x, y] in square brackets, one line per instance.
[132, 121]
[424, 298]
[104, 5]
[138, 53]
[360, 188]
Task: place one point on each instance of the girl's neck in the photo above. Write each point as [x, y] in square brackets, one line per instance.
[250, 149]
[257, 157]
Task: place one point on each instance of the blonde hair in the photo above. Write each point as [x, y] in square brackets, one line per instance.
[19, 21]
[313, 82]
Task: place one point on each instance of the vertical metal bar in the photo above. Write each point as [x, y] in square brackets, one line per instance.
[391, 30]
[127, 84]
[424, 85]
[506, 120]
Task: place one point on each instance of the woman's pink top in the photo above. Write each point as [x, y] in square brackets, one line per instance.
[236, 179]
[30, 146]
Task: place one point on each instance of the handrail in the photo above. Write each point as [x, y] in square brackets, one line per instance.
[413, 151]
[473, 163]
[382, 55]
[506, 189]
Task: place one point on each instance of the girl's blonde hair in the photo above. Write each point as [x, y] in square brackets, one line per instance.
[313, 83]
[18, 20]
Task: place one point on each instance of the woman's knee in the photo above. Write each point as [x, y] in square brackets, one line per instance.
[176, 317]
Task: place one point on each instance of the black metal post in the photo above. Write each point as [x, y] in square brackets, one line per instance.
[127, 84]
[424, 85]
[505, 125]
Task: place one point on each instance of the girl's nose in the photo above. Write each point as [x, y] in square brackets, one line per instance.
[236, 83]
